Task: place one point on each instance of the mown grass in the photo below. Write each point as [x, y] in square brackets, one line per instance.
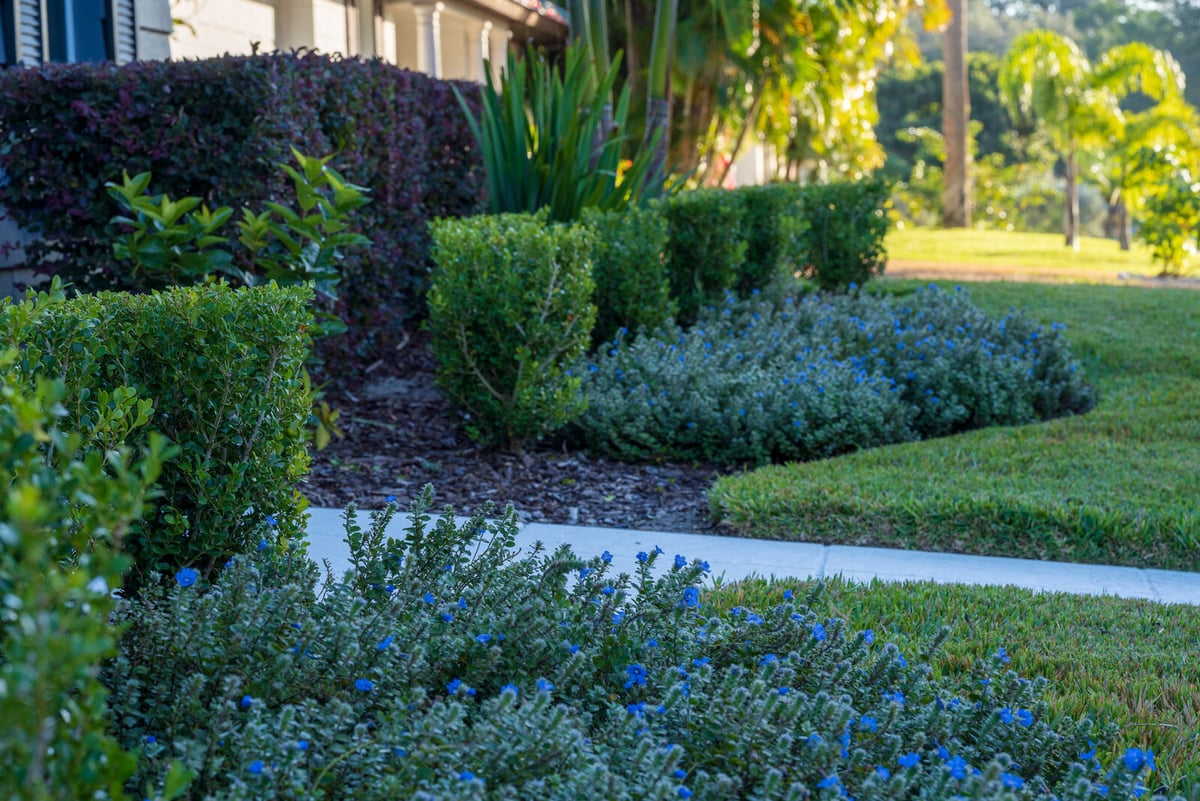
[1022, 254]
[1126, 661]
[1116, 486]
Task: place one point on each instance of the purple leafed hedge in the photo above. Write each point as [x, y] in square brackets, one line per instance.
[216, 129]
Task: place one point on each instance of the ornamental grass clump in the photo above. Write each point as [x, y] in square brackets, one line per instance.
[756, 381]
[449, 665]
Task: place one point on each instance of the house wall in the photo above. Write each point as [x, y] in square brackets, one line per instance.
[222, 26]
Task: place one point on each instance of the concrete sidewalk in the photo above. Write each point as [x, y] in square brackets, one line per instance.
[735, 558]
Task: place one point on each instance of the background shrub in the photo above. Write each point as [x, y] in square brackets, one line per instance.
[223, 371]
[451, 666]
[510, 310]
[756, 381]
[774, 228]
[629, 267]
[215, 129]
[847, 223]
[69, 498]
[705, 247]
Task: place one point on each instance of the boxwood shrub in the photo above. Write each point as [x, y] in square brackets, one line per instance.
[633, 290]
[221, 369]
[705, 247]
[449, 666]
[755, 381]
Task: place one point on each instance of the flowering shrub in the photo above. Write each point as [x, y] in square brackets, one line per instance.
[754, 381]
[510, 308]
[215, 370]
[450, 666]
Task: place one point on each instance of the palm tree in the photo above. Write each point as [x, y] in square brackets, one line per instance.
[956, 116]
[1047, 80]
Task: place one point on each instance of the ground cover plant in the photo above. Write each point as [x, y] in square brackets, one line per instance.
[449, 666]
[756, 381]
[1111, 659]
[1116, 486]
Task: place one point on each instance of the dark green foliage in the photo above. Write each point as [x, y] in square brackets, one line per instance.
[847, 223]
[450, 666]
[216, 129]
[69, 496]
[705, 248]
[510, 309]
[773, 226]
[222, 369]
[630, 270]
[755, 382]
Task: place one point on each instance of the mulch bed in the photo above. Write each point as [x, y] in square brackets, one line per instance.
[401, 434]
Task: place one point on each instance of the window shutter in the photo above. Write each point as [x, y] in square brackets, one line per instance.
[29, 32]
[125, 33]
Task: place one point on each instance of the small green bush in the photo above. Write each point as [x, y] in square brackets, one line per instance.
[774, 228]
[847, 223]
[633, 290]
[510, 309]
[756, 381]
[705, 247]
[223, 371]
[69, 498]
[1171, 223]
[449, 666]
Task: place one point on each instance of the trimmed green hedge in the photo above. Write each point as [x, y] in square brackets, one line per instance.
[222, 368]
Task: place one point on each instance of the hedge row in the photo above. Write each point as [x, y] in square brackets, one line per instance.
[216, 129]
[217, 371]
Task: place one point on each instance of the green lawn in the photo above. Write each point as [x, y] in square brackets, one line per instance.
[1124, 661]
[1119, 485]
[1023, 255]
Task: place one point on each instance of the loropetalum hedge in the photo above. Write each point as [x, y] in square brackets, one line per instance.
[216, 129]
[755, 381]
[450, 666]
[215, 370]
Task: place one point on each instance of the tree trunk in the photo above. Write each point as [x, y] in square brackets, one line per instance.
[658, 104]
[956, 115]
[747, 124]
[1126, 224]
[1071, 206]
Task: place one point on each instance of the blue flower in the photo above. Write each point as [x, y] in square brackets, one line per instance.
[680, 561]
[767, 659]
[1002, 655]
[868, 723]
[482, 638]
[246, 702]
[869, 636]
[1136, 759]
[384, 643]
[607, 590]
[704, 567]
[256, 767]
[262, 545]
[429, 599]
[818, 632]
[390, 499]
[453, 686]
[467, 776]
[1025, 717]
[544, 686]
[691, 597]
[909, 760]
[447, 617]
[637, 676]
[896, 696]
[606, 558]
[302, 745]
[574, 649]
[1088, 755]
[1011, 780]
[271, 521]
[784, 690]
[186, 576]
[510, 688]
[957, 766]
[462, 603]
[883, 772]
[643, 557]
[1006, 715]
[583, 572]
[684, 792]
[829, 781]
[151, 739]
[679, 773]
[788, 595]
[364, 685]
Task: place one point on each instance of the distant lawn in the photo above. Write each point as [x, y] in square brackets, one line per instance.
[1118, 486]
[1018, 256]
[1115, 660]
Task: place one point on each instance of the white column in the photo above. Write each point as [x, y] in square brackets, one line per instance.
[485, 50]
[429, 38]
[498, 50]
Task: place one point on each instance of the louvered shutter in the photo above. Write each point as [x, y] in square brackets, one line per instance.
[125, 34]
[29, 32]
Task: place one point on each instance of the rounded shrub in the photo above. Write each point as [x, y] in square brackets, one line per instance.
[755, 381]
[510, 309]
[449, 666]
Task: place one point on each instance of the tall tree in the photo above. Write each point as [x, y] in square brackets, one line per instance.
[956, 115]
[1047, 79]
